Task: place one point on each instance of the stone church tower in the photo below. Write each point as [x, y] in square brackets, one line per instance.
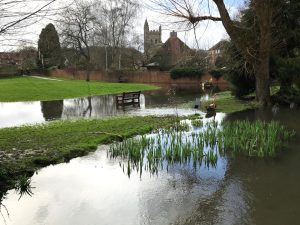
[152, 40]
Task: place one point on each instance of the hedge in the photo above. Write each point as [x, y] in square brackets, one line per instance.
[186, 72]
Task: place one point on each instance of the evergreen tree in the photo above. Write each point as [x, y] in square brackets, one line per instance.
[49, 47]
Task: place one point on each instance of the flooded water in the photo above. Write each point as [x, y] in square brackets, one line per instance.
[95, 190]
[158, 102]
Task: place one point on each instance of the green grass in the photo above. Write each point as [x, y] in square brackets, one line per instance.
[34, 89]
[24, 149]
[227, 103]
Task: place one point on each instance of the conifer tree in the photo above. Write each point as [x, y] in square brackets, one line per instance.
[49, 47]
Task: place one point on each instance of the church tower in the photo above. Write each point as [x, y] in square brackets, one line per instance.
[152, 40]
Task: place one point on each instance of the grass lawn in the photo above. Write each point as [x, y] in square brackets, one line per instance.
[227, 103]
[34, 89]
[24, 149]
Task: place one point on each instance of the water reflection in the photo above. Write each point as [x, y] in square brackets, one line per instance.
[52, 109]
[151, 103]
[93, 189]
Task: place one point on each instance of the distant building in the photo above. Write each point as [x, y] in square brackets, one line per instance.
[152, 40]
[167, 54]
[11, 58]
[172, 52]
[214, 52]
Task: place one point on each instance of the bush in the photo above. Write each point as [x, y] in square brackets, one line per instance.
[216, 73]
[177, 73]
[242, 82]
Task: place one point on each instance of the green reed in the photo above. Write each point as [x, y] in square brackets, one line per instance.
[258, 138]
[197, 123]
[169, 146]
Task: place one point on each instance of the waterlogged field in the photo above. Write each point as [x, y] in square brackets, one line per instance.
[196, 143]
[183, 174]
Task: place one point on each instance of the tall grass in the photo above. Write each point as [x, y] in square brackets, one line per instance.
[166, 147]
[256, 138]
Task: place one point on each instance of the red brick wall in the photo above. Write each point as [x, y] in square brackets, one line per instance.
[163, 77]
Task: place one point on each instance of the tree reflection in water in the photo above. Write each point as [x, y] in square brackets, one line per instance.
[52, 109]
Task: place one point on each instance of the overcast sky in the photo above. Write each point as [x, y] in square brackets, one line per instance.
[208, 33]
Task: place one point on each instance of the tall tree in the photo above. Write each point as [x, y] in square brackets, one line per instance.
[256, 51]
[286, 55]
[77, 29]
[49, 47]
[114, 24]
[17, 16]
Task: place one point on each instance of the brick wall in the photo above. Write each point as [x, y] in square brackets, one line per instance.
[162, 77]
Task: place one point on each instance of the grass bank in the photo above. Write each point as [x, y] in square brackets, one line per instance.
[27, 148]
[34, 89]
[228, 103]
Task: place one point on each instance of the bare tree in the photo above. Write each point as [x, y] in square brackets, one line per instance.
[114, 24]
[16, 16]
[77, 29]
[256, 52]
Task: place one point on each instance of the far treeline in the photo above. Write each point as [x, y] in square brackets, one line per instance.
[263, 46]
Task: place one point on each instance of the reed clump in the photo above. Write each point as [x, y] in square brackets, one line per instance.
[257, 138]
[202, 146]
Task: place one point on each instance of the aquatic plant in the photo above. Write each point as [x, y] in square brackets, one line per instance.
[257, 138]
[170, 146]
[23, 186]
[197, 123]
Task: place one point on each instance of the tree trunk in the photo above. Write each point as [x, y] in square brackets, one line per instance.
[87, 75]
[262, 66]
[88, 70]
[262, 82]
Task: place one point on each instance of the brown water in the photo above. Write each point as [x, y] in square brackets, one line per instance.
[94, 190]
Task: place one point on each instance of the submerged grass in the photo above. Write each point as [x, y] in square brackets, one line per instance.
[34, 89]
[204, 146]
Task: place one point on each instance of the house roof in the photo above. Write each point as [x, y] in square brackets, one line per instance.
[219, 45]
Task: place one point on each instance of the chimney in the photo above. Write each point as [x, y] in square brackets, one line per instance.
[173, 34]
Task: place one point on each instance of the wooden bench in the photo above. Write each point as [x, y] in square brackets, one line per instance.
[128, 98]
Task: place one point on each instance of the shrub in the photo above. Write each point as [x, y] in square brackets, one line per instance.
[216, 73]
[243, 83]
[186, 72]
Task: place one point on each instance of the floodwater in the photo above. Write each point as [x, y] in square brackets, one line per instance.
[95, 190]
[158, 102]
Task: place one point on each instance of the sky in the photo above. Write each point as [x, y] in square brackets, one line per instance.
[206, 33]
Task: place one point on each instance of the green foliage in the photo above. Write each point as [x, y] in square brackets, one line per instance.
[49, 47]
[288, 69]
[237, 71]
[30, 89]
[258, 138]
[186, 72]
[217, 73]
